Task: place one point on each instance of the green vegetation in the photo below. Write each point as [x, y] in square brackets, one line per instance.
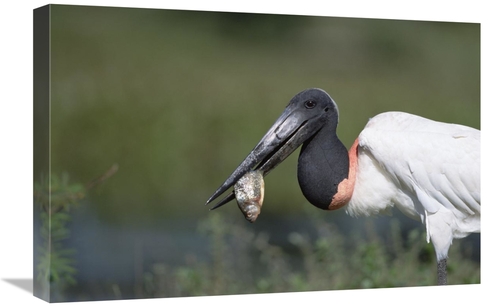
[55, 200]
[245, 262]
[55, 263]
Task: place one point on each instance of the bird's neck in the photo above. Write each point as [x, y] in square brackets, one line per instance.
[325, 174]
[346, 186]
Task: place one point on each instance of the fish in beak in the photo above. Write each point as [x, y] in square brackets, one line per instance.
[303, 117]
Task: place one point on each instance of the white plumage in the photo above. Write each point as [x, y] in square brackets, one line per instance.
[427, 169]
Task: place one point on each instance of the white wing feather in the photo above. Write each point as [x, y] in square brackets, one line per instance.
[427, 169]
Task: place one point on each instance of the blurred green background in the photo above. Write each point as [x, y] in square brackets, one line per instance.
[177, 99]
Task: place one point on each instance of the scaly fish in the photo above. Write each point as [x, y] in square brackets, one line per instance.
[249, 193]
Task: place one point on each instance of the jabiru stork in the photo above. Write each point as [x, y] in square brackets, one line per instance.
[427, 169]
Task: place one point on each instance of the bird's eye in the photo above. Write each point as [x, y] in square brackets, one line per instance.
[309, 104]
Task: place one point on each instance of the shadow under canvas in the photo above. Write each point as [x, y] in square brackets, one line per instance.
[22, 283]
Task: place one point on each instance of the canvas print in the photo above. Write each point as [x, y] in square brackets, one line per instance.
[194, 153]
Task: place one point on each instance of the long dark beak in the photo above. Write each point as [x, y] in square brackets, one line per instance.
[289, 131]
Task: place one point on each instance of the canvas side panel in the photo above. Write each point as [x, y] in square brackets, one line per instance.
[41, 147]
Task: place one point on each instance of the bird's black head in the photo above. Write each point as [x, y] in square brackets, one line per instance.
[314, 102]
[306, 114]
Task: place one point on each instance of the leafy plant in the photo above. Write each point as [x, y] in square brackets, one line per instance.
[55, 198]
[246, 262]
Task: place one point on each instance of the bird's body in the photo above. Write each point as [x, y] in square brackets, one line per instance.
[427, 169]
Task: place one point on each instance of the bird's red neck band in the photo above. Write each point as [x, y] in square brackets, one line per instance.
[346, 186]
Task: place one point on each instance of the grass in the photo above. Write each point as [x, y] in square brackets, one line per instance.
[243, 262]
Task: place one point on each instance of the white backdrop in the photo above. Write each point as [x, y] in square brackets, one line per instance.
[16, 148]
